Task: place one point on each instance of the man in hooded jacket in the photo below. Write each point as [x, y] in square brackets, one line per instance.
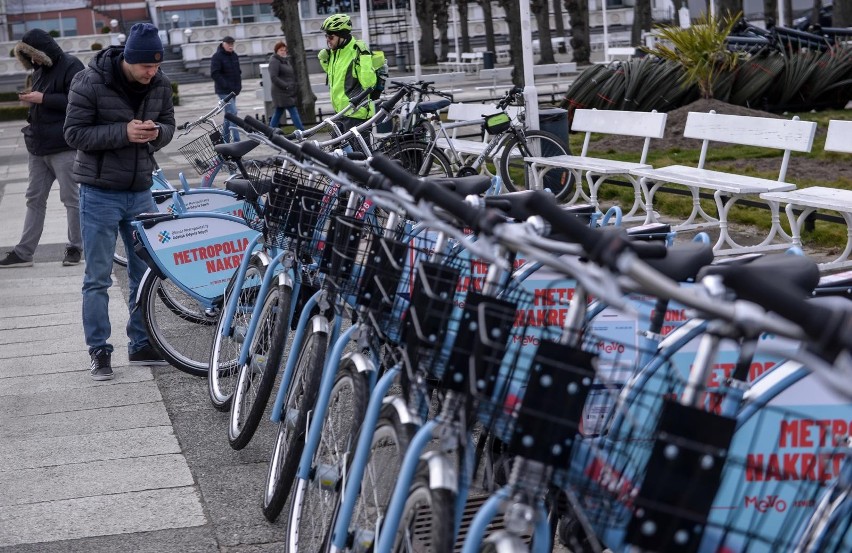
[50, 156]
[120, 112]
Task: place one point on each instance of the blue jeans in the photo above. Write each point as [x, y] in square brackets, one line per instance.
[229, 131]
[104, 214]
[294, 116]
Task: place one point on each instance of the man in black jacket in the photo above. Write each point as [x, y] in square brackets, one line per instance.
[119, 113]
[227, 78]
[50, 157]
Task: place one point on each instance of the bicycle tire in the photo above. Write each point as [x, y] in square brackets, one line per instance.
[515, 171]
[391, 438]
[426, 508]
[289, 441]
[223, 370]
[120, 255]
[257, 376]
[177, 325]
[414, 158]
[314, 501]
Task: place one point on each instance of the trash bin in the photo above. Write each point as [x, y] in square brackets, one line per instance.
[555, 121]
[488, 60]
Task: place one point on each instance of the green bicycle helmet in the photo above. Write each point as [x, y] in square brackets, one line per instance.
[337, 22]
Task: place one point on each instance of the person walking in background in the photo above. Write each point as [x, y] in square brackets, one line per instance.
[227, 77]
[50, 156]
[120, 112]
[349, 66]
[285, 89]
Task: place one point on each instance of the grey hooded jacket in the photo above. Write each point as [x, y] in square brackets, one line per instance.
[96, 124]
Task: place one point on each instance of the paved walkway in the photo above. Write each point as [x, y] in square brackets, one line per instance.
[87, 466]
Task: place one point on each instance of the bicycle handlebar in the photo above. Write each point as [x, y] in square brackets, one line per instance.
[471, 216]
[206, 117]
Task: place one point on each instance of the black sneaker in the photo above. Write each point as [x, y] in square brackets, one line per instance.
[14, 260]
[72, 256]
[101, 365]
[147, 356]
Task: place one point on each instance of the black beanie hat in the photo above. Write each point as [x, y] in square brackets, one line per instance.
[143, 45]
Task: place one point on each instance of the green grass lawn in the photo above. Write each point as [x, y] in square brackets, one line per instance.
[825, 234]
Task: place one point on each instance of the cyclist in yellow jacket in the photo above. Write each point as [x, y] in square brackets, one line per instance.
[349, 66]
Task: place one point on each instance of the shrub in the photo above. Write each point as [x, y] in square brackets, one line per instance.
[54, 33]
[12, 53]
[13, 113]
[175, 94]
[97, 46]
[105, 30]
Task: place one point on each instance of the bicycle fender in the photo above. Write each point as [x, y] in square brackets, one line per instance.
[319, 323]
[148, 274]
[361, 362]
[442, 473]
[403, 413]
[506, 542]
[285, 279]
[263, 257]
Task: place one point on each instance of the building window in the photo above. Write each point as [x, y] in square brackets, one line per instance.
[66, 26]
[242, 14]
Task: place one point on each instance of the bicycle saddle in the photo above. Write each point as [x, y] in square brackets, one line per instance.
[432, 107]
[513, 205]
[464, 186]
[235, 150]
[793, 271]
[247, 189]
[683, 261]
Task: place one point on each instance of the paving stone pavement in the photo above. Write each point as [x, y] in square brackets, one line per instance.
[139, 463]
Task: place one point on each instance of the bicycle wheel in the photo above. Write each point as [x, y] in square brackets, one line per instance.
[290, 441]
[178, 326]
[120, 255]
[257, 376]
[313, 503]
[390, 440]
[223, 370]
[414, 158]
[427, 522]
[515, 172]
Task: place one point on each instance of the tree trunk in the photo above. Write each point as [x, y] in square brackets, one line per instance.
[578, 14]
[540, 9]
[642, 21]
[560, 24]
[788, 13]
[815, 12]
[842, 14]
[425, 18]
[287, 11]
[770, 13]
[463, 23]
[442, 18]
[513, 18]
[490, 44]
[729, 7]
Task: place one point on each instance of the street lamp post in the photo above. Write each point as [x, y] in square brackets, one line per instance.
[188, 34]
[175, 19]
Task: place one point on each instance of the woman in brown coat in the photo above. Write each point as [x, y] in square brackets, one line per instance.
[284, 87]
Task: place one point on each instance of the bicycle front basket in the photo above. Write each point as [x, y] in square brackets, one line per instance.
[497, 123]
[200, 153]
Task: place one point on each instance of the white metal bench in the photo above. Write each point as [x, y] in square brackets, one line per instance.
[627, 123]
[496, 75]
[560, 73]
[728, 188]
[808, 200]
